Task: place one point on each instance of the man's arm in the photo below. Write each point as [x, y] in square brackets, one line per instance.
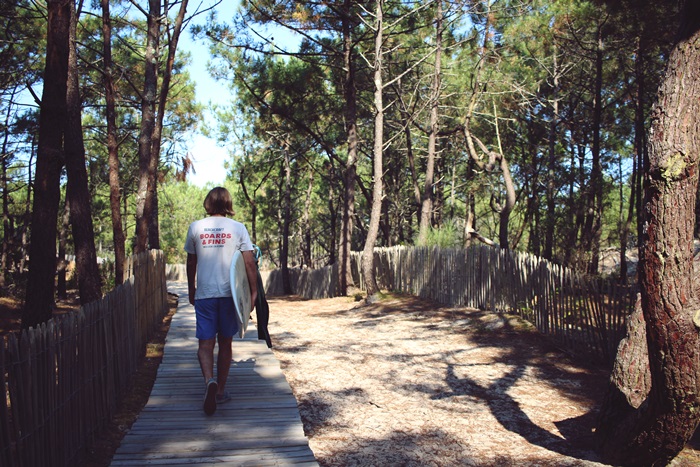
[251, 270]
[191, 274]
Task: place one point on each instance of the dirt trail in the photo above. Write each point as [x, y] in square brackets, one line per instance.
[407, 382]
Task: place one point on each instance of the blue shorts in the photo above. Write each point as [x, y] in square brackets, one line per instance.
[215, 316]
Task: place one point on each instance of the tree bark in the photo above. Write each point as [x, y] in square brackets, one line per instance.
[427, 196]
[89, 280]
[656, 432]
[332, 211]
[118, 236]
[6, 230]
[368, 273]
[286, 221]
[62, 265]
[350, 94]
[148, 121]
[252, 203]
[593, 227]
[507, 208]
[42, 251]
[637, 164]
[550, 223]
[306, 223]
[156, 139]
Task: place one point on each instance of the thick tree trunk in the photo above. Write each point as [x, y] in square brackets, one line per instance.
[89, 281]
[42, 250]
[118, 237]
[630, 380]
[659, 429]
[368, 273]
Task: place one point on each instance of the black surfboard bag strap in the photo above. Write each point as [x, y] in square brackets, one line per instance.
[262, 309]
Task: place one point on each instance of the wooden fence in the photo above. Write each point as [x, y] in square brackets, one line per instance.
[61, 381]
[311, 284]
[584, 316]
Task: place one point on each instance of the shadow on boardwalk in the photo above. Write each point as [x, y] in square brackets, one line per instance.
[260, 426]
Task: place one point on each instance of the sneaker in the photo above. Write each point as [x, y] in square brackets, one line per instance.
[223, 398]
[210, 397]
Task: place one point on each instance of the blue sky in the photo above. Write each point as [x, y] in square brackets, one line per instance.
[208, 156]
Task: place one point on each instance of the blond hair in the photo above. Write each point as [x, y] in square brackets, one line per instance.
[219, 202]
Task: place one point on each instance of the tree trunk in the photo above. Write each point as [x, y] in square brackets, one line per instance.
[148, 117]
[350, 94]
[637, 169]
[306, 224]
[6, 231]
[286, 221]
[27, 213]
[118, 237]
[42, 250]
[593, 228]
[89, 281]
[412, 168]
[507, 208]
[657, 431]
[251, 202]
[427, 197]
[332, 211]
[550, 223]
[368, 273]
[152, 192]
[62, 266]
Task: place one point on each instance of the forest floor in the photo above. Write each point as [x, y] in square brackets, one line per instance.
[406, 381]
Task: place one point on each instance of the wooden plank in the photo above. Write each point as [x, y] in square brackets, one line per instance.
[296, 455]
[259, 426]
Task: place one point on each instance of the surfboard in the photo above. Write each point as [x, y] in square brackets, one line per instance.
[240, 291]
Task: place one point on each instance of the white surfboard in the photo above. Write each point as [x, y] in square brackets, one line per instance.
[240, 290]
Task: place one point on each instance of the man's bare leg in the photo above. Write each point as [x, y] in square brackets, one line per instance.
[223, 362]
[205, 354]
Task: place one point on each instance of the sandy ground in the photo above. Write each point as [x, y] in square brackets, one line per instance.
[407, 382]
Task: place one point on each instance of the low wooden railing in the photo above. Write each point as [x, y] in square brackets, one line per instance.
[585, 316]
[62, 381]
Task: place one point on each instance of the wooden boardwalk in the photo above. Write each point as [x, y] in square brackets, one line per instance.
[260, 426]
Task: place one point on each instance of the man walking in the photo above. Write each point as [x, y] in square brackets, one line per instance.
[210, 245]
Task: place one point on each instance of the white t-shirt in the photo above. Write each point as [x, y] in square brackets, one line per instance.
[214, 240]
